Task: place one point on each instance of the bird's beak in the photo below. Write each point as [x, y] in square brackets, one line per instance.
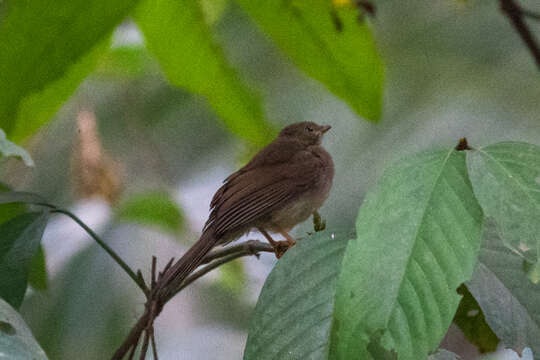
[324, 129]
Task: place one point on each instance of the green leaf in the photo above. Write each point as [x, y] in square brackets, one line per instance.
[19, 243]
[39, 43]
[293, 316]
[16, 339]
[233, 276]
[329, 44]
[506, 181]
[9, 197]
[124, 62]
[38, 108]
[153, 208]
[7, 149]
[444, 355]
[418, 239]
[8, 210]
[37, 277]
[510, 302]
[177, 34]
[470, 319]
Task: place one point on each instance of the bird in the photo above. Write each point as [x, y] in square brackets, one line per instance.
[281, 186]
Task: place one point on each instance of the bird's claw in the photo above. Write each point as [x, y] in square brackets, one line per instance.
[318, 223]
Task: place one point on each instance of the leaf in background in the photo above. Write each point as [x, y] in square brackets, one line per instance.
[125, 62]
[343, 57]
[233, 276]
[177, 34]
[16, 339]
[470, 319]
[506, 181]
[37, 277]
[510, 302]
[444, 355]
[39, 43]
[293, 316]
[418, 239]
[10, 209]
[10, 197]
[152, 208]
[39, 107]
[7, 149]
[19, 243]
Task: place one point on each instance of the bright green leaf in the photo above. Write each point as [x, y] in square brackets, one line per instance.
[293, 316]
[506, 180]
[329, 44]
[37, 277]
[153, 208]
[470, 319]
[38, 108]
[233, 276]
[19, 243]
[39, 43]
[510, 302]
[418, 239]
[124, 61]
[177, 34]
[16, 339]
[7, 149]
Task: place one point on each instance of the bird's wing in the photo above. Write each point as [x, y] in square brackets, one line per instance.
[253, 193]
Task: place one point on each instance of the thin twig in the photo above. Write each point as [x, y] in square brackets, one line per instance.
[133, 349]
[515, 14]
[153, 342]
[105, 247]
[144, 348]
[530, 14]
[250, 247]
[153, 273]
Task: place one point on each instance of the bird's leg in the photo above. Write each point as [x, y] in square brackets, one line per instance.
[290, 239]
[318, 223]
[279, 246]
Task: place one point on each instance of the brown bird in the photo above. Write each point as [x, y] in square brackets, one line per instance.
[281, 186]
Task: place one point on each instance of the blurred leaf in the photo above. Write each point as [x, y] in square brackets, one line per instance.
[293, 316]
[39, 107]
[124, 61]
[470, 319]
[39, 43]
[233, 276]
[343, 57]
[418, 238]
[213, 9]
[9, 210]
[153, 208]
[7, 149]
[16, 339]
[510, 302]
[177, 34]
[37, 277]
[8, 197]
[506, 181]
[444, 355]
[19, 243]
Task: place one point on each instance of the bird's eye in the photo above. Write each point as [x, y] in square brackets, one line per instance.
[309, 128]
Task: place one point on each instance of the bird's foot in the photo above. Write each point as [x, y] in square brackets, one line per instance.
[319, 224]
[280, 247]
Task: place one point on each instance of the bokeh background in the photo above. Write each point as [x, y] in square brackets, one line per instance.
[452, 69]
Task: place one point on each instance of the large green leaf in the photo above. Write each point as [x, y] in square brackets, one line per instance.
[40, 42]
[153, 208]
[506, 180]
[343, 57]
[16, 339]
[293, 316]
[19, 242]
[176, 32]
[418, 239]
[510, 302]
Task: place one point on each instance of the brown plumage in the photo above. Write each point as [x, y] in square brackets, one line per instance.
[280, 187]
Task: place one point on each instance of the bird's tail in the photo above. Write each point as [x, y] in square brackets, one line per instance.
[188, 262]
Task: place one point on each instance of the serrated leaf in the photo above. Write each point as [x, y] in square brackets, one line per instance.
[19, 243]
[418, 239]
[470, 319]
[293, 316]
[16, 339]
[7, 149]
[152, 208]
[506, 180]
[39, 43]
[329, 44]
[510, 302]
[177, 34]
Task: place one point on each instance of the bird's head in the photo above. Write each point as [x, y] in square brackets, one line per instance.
[307, 132]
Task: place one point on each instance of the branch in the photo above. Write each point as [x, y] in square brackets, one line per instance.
[515, 14]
